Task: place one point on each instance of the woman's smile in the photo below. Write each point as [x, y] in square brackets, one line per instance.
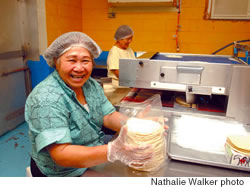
[75, 67]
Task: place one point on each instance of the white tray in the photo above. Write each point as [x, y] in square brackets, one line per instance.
[180, 149]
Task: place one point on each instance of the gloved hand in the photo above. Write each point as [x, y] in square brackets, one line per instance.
[136, 156]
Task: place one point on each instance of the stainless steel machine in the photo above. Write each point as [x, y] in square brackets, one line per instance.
[215, 91]
[194, 75]
[216, 96]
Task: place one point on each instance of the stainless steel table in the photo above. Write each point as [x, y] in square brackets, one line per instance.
[171, 168]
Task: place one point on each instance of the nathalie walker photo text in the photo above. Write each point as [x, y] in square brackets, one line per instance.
[197, 181]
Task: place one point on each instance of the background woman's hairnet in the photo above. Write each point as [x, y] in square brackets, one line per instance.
[123, 32]
[68, 40]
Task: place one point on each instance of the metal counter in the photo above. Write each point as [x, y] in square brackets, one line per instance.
[171, 167]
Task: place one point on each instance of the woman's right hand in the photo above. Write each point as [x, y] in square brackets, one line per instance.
[136, 156]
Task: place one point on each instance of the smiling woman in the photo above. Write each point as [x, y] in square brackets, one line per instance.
[67, 110]
[75, 67]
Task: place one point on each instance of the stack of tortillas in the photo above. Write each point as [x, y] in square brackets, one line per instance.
[141, 132]
[239, 143]
[237, 148]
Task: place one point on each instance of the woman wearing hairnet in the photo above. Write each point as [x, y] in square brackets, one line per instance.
[123, 36]
[66, 111]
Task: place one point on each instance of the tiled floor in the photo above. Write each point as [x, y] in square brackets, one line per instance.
[14, 152]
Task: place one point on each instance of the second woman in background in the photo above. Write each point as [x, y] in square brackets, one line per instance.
[123, 36]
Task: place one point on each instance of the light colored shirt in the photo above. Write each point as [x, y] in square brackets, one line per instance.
[115, 54]
[54, 115]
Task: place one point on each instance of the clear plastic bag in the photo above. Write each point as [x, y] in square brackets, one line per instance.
[146, 126]
[150, 108]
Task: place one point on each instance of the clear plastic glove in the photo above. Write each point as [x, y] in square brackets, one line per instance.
[136, 156]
